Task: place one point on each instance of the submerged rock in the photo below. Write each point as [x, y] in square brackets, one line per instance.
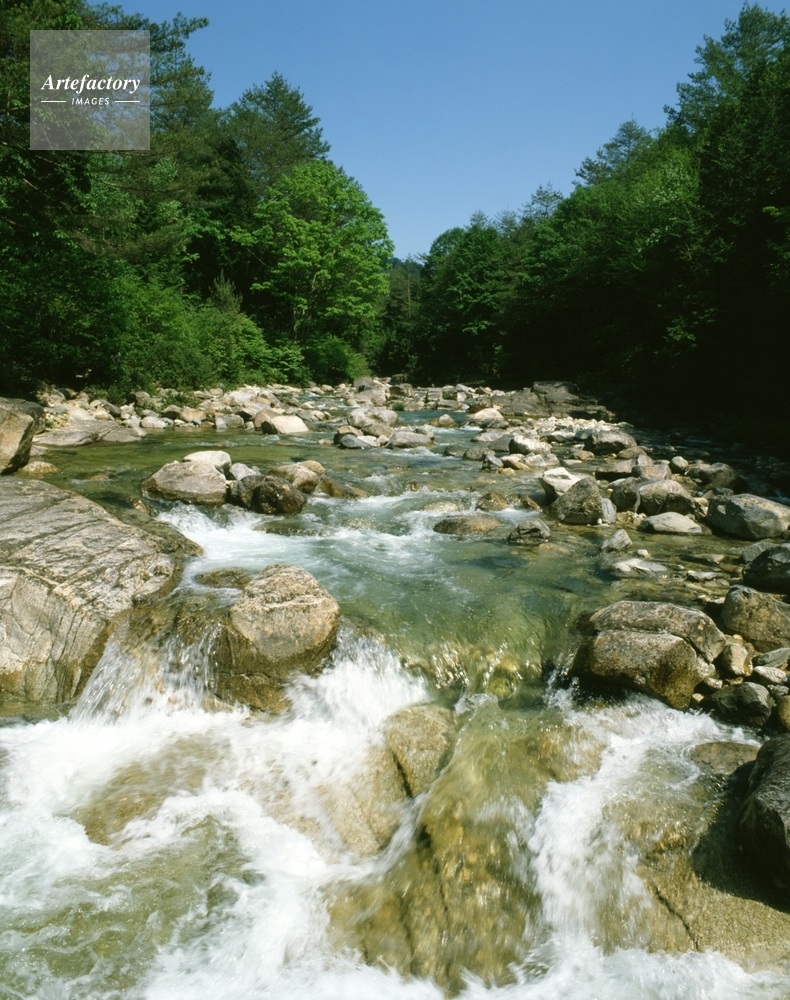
[420, 739]
[68, 569]
[532, 531]
[283, 623]
[467, 524]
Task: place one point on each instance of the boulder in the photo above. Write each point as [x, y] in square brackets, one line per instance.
[532, 531]
[240, 491]
[774, 658]
[38, 468]
[658, 616]
[612, 471]
[558, 481]
[302, 477]
[735, 660]
[625, 494]
[190, 482]
[653, 495]
[748, 516]
[485, 414]
[272, 495]
[519, 444]
[656, 663]
[754, 550]
[744, 704]
[617, 542]
[367, 418]
[409, 439]
[239, 471]
[717, 475]
[764, 819]
[353, 442]
[68, 569]
[770, 570]
[670, 524]
[608, 441]
[759, 618]
[283, 424]
[420, 739]
[283, 623]
[216, 459]
[582, 504]
[467, 524]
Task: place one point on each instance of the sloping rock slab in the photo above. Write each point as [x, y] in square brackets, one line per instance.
[284, 622]
[67, 569]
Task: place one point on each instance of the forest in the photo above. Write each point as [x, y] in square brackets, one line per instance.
[237, 251]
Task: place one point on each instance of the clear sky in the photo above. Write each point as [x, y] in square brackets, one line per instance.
[440, 108]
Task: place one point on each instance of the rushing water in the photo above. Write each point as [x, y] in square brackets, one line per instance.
[155, 844]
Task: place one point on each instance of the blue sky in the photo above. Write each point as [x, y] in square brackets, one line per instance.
[440, 108]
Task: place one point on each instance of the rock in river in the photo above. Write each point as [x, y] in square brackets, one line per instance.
[770, 570]
[748, 516]
[19, 421]
[764, 821]
[759, 618]
[284, 622]
[467, 524]
[197, 482]
[67, 570]
[582, 504]
[660, 649]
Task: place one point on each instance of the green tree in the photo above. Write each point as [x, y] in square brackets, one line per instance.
[275, 131]
[321, 249]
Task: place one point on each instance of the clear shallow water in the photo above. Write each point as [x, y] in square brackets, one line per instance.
[153, 847]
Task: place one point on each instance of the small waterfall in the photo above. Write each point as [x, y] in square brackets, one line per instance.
[152, 661]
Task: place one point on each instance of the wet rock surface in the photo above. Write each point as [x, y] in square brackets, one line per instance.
[283, 622]
[69, 570]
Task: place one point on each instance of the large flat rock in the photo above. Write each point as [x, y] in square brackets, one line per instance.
[67, 570]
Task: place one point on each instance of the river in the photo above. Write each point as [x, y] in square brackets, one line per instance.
[152, 846]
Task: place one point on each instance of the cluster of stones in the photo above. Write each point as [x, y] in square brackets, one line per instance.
[211, 478]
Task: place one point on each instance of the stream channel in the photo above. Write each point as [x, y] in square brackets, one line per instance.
[152, 846]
